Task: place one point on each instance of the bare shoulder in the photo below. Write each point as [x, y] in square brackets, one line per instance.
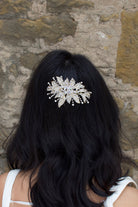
[2, 183]
[128, 198]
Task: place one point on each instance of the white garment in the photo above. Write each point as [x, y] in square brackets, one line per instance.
[6, 200]
[118, 189]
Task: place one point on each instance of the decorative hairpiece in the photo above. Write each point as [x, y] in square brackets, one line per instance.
[65, 90]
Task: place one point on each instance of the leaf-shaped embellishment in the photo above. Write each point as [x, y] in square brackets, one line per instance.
[68, 98]
[78, 86]
[57, 95]
[82, 90]
[60, 80]
[72, 82]
[53, 83]
[84, 97]
[66, 82]
[49, 88]
[57, 89]
[61, 101]
[76, 98]
[87, 94]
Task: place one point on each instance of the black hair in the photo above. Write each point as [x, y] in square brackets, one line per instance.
[70, 146]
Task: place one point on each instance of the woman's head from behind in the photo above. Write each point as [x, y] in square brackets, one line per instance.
[77, 142]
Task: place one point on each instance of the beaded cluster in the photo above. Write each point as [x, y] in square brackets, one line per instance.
[65, 90]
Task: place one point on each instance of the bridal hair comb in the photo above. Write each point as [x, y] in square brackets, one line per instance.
[65, 90]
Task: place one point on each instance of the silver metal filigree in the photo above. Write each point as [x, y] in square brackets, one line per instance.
[65, 90]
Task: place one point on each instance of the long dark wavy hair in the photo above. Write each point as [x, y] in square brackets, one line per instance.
[71, 146]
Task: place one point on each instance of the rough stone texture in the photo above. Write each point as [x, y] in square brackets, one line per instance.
[106, 18]
[11, 9]
[30, 60]
[65, 5]
[51, 28]
[127, 58]
[99, 29]
[129, 125]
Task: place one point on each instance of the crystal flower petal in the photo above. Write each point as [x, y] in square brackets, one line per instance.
[61, 102]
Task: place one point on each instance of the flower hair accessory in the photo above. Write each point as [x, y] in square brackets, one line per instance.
[65, 90]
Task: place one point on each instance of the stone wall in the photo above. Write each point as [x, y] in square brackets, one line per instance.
[104, 30]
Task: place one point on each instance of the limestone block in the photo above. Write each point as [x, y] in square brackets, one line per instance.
[127, 55]
[30, 60]
[51, 28]
[12, 9]
[129, 121]
[66, 5]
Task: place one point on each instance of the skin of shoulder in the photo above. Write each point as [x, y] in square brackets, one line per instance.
[2, 183]
[128, 198]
